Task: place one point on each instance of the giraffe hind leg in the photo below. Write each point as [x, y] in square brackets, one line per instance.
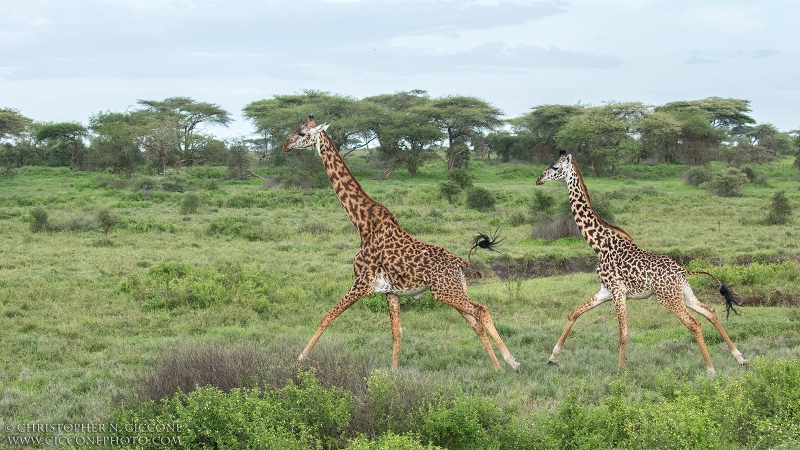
[708, 312]
[393, 301]
[673, 301]
[477, 315]
[479, 330]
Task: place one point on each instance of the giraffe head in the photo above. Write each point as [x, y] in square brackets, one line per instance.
[305, 135]
[558, 171]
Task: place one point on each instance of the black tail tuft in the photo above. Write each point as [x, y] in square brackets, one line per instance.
[488, 242]
[731, 299]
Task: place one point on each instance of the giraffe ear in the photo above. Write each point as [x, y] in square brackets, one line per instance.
[324, 126]
[569, 158]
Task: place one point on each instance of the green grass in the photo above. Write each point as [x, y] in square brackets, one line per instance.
[82, 321]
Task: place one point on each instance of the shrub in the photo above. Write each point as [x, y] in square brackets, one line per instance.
[304, 170]
[558, 228]
[389, 441]
[145, 184]
[460, 177]
[300, 415]
[239, 161]
[780, 210]
[541, 205]
[106, 221]
[697, 175]
[755, 174]
[727, 183]
[480, 199]
[244, 227]
[189, 203]
[449, 189]
[39, 221]
[462, 423]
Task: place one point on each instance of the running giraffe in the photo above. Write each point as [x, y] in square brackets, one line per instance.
[628, 272]
[392, 261]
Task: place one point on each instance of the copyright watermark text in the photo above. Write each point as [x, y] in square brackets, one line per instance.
[98, 434]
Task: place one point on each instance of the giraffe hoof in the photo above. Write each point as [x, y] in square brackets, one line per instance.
[552, 362]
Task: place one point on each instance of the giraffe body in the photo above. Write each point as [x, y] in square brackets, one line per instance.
[391, 261]
[627, 272]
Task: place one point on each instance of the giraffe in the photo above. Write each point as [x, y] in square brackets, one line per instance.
[628, 272]
[390, 260]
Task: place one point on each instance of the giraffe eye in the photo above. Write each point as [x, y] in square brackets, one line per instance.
[301, 133]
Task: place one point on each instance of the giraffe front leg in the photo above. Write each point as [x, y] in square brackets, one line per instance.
[601, 297]
[355, 293]
[393, 301]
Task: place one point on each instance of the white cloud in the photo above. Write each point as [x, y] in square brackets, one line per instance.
[65, 60]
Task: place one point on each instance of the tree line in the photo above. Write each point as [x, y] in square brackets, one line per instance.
[402, 131]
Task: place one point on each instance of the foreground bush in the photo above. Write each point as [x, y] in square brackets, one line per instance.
[756, 408]
[299, 416]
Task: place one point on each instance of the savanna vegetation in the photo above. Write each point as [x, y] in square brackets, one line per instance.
[154, 277]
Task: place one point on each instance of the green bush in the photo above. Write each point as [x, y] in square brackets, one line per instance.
[728, 183]
[780, 211]
[39, 220]
[189, 203]
[300, 415]
[460, 177]
[755, 174]
[698, 175]
[760, 408]
[243, 227]
[107, 220]
[144, 184]
[389, 441]
[450, 190]
[541, 205]
[170, 285]
[480, 199]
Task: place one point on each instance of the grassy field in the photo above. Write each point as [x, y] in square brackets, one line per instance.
[196, 260]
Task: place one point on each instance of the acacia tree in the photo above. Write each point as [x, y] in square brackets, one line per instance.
[660, 134]
[181, 116]
[351, 121]
[405, 130]
[502, 143]
[604, 135]
[13, 126]
[706, 123]
[461, 117]
[12, 123]
[116, 141]
[767, 137]
[70, 134]
[540, 127]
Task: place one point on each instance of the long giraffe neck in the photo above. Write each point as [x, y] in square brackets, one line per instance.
[355, 201]
[594, 229]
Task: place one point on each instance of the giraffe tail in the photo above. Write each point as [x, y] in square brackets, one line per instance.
[731, 299]
[485, 241]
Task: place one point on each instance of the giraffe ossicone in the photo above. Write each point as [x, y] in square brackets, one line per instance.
[627, 272]
[390, 260]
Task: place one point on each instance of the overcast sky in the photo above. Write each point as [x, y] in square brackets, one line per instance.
[64, 60]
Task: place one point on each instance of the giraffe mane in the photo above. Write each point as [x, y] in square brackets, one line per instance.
[622, 233]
